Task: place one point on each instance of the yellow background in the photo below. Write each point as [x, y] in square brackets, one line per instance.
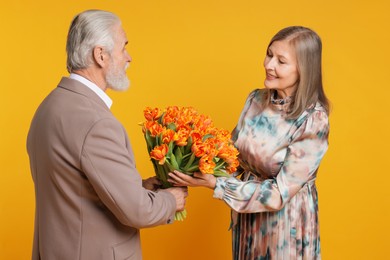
[208, 54]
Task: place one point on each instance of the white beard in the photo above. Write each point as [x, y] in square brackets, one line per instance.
[116, 78]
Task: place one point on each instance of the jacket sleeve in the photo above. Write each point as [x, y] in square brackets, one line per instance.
[300, 166]
[108, 163]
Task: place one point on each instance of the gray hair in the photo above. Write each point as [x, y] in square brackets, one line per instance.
[89, 29]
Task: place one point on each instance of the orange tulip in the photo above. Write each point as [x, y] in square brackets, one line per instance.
[183, 135]
[152, 114]
[159, 153]
[154, 128]
[170, 115]
[168, 119]
[196, 136]
[223, 134]
[228, 152]
[211, 147]
[198, 148]
[187, 116]
[224, 152]
[206, 164]
[168, 135]
[232, 167]
[203, 124]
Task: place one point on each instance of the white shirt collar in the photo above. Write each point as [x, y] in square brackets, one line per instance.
[106, 99]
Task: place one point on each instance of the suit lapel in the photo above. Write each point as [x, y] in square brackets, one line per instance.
[80, 88]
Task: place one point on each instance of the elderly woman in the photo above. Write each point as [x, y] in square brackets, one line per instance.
[282, 135]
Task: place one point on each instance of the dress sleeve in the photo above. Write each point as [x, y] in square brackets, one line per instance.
[108, 163]
[304, 154]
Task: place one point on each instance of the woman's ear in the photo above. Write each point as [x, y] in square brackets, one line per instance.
[100, 56]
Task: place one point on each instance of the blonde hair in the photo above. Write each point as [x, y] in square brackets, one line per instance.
[308, 48]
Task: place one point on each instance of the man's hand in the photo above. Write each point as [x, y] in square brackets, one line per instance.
[180, 194]
[151, 183]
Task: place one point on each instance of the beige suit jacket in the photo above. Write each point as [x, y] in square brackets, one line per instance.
[90, 203]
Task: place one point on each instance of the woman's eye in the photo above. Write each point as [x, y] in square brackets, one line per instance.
[282, 62]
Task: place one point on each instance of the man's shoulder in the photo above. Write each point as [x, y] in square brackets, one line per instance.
[72, 107]
[72, 88]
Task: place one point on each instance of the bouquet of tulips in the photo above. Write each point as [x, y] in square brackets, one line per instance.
[179, 138]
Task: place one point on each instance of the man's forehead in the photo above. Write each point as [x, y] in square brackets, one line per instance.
[121, 35]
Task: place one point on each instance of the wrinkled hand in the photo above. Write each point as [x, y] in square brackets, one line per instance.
[180, 194]
[197, 180]
[151, 183]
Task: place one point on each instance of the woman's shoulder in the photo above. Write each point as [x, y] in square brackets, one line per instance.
[320, 110]
[314, 113]
[317, 108]
[259, 91]
[257, 94]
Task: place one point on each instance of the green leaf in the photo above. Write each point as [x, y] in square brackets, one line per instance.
[207, 137]
[219, 165]
[190, 161]
[157, 140]
[160, 120]
[172, 126]
[162, 174]
[186, 155]
[149, 141]
[179, 156]
[168, 166]
[181, 150]
[174, 162]
[187, 148]
[193, 168]
[170, 148]
[221, 174]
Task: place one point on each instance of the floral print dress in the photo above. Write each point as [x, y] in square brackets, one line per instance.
[274, 205]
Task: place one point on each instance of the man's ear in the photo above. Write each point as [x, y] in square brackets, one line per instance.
[100, 56]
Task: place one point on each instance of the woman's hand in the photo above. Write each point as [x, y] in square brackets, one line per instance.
[197, 180]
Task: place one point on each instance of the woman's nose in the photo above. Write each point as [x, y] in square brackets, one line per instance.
[269, 64]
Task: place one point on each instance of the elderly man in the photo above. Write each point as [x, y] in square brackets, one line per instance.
[90, 198]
